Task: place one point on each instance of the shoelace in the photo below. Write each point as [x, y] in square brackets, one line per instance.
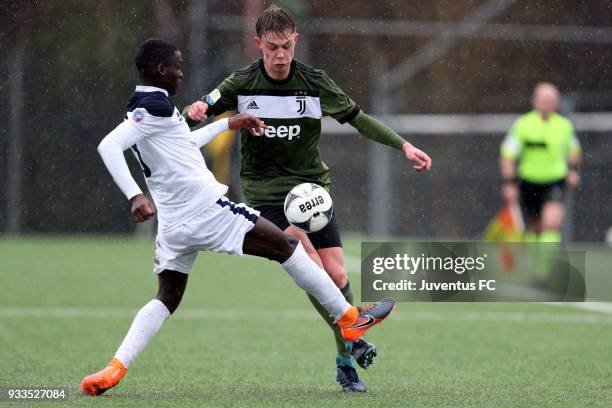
[366, 307]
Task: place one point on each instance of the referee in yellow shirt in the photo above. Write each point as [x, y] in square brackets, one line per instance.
[539, 160]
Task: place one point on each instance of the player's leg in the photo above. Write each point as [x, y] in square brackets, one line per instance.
[145, 325]
[362, 351]
[276, 215]
[329, 247]
[308, 247]
[552, 218]
[267, 240]
[150, 318]
[346, 373]
[343, 348]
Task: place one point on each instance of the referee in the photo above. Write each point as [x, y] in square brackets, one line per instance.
[539, 161]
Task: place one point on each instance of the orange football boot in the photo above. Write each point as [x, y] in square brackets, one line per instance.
[107, 378]
[357, 320]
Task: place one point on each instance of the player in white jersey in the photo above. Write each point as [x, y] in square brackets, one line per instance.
[192, 212]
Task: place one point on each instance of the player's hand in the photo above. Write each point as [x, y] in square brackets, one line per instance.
[510, 192]
[421, 161]
[197, 111]
[142, 208]
[243, 120]
[573, 179]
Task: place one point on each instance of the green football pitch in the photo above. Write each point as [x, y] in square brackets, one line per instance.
[246, 336]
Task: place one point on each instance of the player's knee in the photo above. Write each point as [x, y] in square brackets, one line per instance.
[552, 217]
[171, 288]
[286, 247]
[170, 297]
[551, 225]
[338, 274]
[171, 301]
[292, 242]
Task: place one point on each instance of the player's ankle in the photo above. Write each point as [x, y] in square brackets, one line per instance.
[342, 361]
[348, 318]
[118, 364]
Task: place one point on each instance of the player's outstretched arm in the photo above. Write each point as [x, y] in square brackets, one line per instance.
[381, 133]
[111, 150]
[245, 121]
[204, 135]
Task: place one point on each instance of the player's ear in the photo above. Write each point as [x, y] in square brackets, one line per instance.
[257, 41]
[161, 69]
[296, 36]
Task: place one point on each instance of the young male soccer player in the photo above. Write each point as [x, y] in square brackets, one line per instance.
[543, 142]
[292, 97]
[193, 215]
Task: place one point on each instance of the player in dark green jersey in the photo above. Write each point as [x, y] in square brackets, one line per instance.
[292, 97]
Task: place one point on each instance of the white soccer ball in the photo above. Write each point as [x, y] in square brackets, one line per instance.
[308, 207]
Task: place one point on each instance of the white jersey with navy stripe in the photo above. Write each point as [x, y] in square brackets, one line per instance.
[168, 153]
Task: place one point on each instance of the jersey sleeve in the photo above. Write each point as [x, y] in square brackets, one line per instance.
[377, 131]
[512, 145]
[229, 96]
[227, 102]
[111, 150]
[574, 146]
[334, 102]
[207, 133]
[152, 114]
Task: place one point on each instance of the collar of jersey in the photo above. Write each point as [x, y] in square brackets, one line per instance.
[146, 88]
[277, 81]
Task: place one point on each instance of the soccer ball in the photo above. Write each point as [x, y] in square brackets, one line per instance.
[308, 207]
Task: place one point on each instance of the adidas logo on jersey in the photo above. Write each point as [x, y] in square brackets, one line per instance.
[252, 105]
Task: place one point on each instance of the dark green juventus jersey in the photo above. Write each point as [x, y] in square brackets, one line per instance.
[287, 153]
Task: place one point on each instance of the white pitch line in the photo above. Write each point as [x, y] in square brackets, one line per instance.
[353, 267]
[307, 314]
[602, 307]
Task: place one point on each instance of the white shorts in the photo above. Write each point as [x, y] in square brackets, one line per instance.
[220, 227]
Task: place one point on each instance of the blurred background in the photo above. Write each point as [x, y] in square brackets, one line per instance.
[450, 76]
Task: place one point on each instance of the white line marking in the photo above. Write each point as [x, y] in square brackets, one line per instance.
[353, 267]
[602, 307]
[308, 314]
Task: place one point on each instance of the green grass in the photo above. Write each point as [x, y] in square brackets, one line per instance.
[246, 336]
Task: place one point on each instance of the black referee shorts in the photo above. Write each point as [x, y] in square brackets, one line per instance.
[534, 196]
[328, 237]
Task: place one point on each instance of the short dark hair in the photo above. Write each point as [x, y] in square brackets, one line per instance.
[152, 52]
[276, 19]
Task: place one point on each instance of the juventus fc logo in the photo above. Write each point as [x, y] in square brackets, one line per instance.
[301, 101]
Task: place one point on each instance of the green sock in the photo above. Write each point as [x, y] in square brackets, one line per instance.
[531, 236]
[544, 255]
[340, 346]
[550, 236]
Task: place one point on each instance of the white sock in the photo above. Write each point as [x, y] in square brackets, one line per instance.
[316, 282]
[146, 324]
